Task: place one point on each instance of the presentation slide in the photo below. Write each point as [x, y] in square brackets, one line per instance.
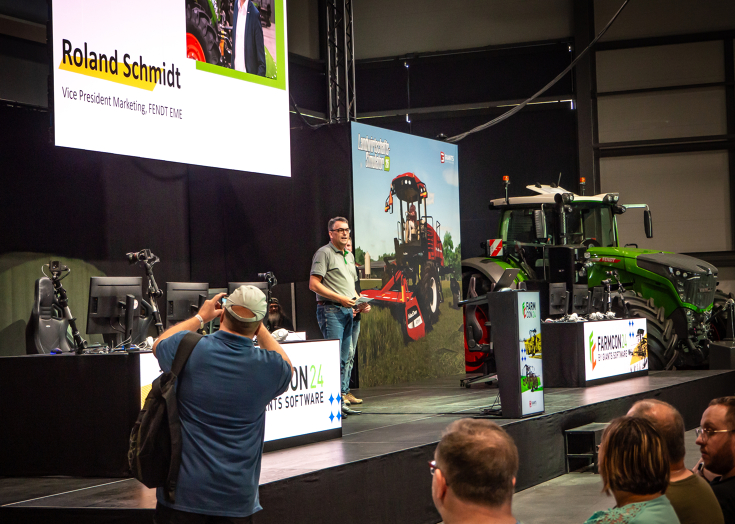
[200, 82]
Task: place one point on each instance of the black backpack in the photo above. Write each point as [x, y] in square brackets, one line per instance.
[154, 454]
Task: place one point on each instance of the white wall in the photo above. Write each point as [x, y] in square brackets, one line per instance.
[689, 197]
[303, 27]
[646, 18]
[393, 28]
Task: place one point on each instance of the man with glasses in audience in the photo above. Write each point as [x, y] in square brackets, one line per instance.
[474, 473]
[716, 442]
[692, 497]
[333, 277]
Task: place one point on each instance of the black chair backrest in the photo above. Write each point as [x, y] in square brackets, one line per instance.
[46, 330]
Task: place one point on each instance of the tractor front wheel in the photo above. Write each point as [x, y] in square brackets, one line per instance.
[201, 36]
[429, 295]
[662, 341]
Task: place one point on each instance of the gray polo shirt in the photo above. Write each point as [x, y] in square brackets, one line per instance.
[337, 270]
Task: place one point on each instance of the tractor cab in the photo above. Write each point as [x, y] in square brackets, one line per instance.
[416, 238]
[527, 228]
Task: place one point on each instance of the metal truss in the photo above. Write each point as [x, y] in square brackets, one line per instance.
[340, 62]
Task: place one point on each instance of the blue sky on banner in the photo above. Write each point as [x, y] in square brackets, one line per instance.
[374, 228]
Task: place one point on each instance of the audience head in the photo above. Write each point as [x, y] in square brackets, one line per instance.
[633, 458]
[716, 437]
[476, 463]
[667, 421]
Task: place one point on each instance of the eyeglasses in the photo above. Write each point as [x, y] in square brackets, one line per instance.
[342, 230]
[433, 467]
[706, 433]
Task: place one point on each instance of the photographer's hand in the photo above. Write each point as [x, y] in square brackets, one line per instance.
[210, 310]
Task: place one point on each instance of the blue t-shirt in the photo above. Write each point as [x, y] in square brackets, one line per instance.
[222, 394]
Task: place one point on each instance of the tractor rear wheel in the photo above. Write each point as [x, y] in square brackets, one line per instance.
[201, 36]
[662, 341]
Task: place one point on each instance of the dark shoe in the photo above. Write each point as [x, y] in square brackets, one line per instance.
[347, 411]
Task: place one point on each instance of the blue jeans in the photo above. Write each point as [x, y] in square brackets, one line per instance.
[351, 358]
[336, 323]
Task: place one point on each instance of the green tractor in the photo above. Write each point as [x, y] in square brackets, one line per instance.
[209, 32]
[567, 247]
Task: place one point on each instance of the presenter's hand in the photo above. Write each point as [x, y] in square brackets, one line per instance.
[212, 308]
[346, 302]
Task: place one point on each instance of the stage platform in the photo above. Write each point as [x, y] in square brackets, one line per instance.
[378, 471]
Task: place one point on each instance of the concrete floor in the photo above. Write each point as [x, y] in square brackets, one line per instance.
[574, 497]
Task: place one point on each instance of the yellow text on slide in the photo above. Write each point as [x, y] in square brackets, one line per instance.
[107, 74]
[130, 72]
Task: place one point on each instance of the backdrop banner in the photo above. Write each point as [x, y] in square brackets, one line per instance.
[407, 248]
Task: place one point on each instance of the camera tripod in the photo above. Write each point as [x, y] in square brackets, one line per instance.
[147, 259]
[58, 273]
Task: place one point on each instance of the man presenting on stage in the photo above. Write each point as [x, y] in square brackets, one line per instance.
[333, 279]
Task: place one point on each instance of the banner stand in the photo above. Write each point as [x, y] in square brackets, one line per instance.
[516, 338]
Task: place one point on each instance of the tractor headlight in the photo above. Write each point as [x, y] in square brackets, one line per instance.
[678, 277]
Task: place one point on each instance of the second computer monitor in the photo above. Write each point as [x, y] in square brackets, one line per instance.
[107, 313]
[182, 300]
[232, 286]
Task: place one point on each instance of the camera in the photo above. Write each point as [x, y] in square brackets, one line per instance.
[140, 256]
[268, 277]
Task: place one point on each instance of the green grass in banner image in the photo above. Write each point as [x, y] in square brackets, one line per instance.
[385, 359]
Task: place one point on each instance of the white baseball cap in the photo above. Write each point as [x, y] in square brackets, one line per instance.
[249, 297]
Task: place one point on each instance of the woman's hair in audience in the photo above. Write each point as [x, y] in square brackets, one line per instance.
[633, 457]
[479, 461]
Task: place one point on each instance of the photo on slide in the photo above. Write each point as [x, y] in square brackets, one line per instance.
[235, 36]
[407, 248]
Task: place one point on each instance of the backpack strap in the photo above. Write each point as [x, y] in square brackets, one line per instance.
[186, 346]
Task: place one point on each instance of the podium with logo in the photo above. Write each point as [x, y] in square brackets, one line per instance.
[580, 354]
[516, 337]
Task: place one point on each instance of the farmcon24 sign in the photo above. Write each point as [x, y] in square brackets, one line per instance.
[312, 401]
[615, 347]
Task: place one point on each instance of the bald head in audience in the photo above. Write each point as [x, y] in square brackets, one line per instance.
[474, 470]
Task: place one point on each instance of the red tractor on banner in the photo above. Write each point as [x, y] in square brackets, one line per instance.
[411, 283]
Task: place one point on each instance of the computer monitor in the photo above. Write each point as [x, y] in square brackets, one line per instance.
[107, 313]
[183, 300]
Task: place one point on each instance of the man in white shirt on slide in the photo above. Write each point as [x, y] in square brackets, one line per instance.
[248, 47]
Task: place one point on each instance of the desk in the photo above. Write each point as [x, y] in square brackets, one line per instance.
[72, 414]
[578, 354]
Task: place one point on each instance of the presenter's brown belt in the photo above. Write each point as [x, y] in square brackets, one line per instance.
[328, 303]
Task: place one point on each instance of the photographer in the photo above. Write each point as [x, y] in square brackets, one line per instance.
[222, 395]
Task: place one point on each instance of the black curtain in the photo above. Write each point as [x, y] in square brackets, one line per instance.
[218, 226]
[206, 225]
